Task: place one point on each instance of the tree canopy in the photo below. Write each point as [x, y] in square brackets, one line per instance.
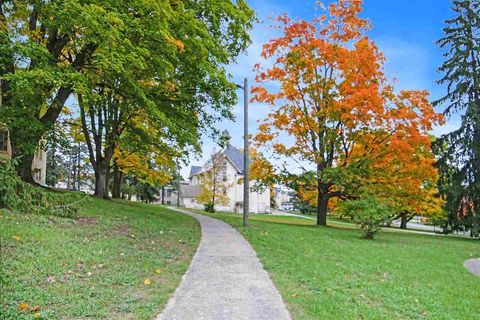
[343, 120]
[164, 57]
[459, 151]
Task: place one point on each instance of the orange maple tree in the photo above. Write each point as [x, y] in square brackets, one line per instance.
[325, 83]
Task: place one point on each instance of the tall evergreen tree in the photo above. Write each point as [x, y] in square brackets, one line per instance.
[459, 151]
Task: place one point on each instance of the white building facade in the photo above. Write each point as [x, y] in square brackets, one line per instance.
[233, 178]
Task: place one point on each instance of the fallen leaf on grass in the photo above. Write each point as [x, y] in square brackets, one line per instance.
[295, 294]
[158, 271]
[38, 315]
[23, 306]
[17, 238]
[147, 282]
[35, 309]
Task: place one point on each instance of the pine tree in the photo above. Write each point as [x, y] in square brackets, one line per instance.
[459, 151]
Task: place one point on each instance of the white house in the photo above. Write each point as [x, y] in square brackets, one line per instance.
[283, 198]
[39, 165]
[233, 177]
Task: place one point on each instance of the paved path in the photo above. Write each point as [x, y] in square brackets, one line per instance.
[473, 265]
[225, 280]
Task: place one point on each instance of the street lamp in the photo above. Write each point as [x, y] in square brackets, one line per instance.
[246, 178]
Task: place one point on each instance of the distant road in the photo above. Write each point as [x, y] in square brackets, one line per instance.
[411, 226]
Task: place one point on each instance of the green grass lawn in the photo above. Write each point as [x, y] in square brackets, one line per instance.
[330, 273]
[94, 266]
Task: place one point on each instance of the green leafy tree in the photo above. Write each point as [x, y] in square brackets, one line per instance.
[368, 213]
[459, 151]
[50, 50]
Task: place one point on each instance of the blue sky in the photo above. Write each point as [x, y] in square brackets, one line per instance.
[405, 30]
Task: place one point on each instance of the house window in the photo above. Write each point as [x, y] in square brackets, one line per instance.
[38, 175]
[3, 140]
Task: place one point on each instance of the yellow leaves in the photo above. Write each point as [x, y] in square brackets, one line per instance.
[170, 87]
[158, 271]
[17, 238]
[138, 164]
[147, 282]
[23, 306]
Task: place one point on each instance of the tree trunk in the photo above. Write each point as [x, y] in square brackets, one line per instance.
[25, 160]
[404, 221]
[24, 168]
[101, 179]
[117, 182]
[322, 205]
[163, 194]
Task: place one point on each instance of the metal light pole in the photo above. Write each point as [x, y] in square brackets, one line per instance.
[178, 185]
[246, 178]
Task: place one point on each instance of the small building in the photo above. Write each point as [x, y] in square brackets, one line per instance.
[283, 198]
[39, 165]
[259, 202]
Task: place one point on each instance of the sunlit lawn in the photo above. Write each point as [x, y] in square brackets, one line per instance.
[330, 273]
[94, 266]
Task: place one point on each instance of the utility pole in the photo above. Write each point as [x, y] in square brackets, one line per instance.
[246, 178]
[178, 185]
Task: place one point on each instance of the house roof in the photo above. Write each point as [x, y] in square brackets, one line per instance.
[236, 157]
[194, 170]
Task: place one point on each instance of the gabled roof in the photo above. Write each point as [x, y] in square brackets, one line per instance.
[236, 157]
[194, 170]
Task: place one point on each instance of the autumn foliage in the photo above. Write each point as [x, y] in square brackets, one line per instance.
[324, 81]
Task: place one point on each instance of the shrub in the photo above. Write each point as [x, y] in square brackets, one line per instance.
[210, 207]
[368, 213]
[18, 195]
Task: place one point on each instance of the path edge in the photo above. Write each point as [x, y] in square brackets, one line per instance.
[171, 301]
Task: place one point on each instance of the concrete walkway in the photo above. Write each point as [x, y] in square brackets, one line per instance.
[225, 280]
[473, 265]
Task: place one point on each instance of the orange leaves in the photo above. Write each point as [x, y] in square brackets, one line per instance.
[334, 101]
[260, 169]
[180, 45]
[276, 73]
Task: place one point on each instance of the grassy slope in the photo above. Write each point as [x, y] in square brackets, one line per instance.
[329, 273]
[95, 266]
